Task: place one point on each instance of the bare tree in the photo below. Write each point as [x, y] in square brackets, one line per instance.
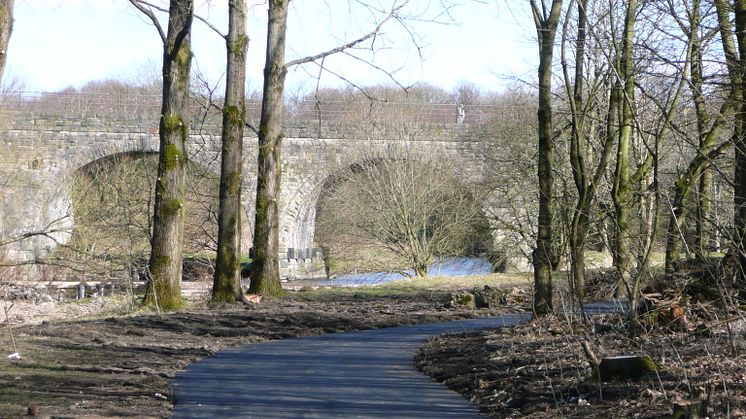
[165, 266]
[510, 176]
[709, 130]
[112, 201]
[546, 21]
[6, 29]
[739, 137]
[583, 112]
[624, 93]
[265, 273]
[406, 204]
[227, 286]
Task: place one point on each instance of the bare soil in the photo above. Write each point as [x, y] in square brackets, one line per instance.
[122, 365]
[540, 370]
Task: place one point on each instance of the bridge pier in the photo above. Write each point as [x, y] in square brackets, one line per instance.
[305, 263]
[35, 204]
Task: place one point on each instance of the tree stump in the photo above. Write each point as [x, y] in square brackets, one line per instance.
[490, 297]
[689, 409]
[463, 299]
[626, 367]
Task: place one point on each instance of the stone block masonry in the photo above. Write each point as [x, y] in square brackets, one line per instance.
[40, 154]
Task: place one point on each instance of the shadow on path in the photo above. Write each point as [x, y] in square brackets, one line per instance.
[359, 374]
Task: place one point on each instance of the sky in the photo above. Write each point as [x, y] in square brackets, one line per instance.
[61, 43]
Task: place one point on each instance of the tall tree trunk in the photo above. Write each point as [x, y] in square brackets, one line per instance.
[265, 272]
[706, 143]
[683, 185]
[227, 280]
[739, 192]
[612, 136]
[735, 62]
[578, 159]
[621, 191]
[708, 149]
[164, 287]
[703, 245]
[6, 29]
[546, 27]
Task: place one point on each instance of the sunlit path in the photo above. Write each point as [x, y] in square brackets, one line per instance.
[360, 374]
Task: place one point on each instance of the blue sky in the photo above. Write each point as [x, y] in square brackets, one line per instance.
[60, 43]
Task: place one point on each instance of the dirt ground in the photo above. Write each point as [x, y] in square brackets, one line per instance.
[540, 370]
[93, 359]
[121, 365]
[690, 323]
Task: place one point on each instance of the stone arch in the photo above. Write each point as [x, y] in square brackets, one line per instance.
[298, 223]
[202, 149]
[298, 217]
[45, 154]
[111, 144]
[200, 216]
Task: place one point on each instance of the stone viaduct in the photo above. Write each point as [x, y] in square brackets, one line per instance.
[40, 153]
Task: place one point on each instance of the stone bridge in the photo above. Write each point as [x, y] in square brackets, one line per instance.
[39, 155]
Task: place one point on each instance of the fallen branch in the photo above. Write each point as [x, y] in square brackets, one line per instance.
[7, 309]
[590, 354]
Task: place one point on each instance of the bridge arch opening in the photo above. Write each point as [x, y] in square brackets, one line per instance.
[391, 212]
[112, 205]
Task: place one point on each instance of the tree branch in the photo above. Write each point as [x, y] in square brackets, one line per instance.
[350, 44]
[149, 13]
[164, 10]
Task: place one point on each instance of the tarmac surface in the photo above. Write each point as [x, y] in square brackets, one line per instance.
[367, 374]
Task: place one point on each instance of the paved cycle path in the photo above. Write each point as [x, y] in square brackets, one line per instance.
[358, 374]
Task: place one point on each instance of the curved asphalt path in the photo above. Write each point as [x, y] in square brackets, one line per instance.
[359, 374]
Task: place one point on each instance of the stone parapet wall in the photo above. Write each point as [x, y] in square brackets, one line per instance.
[419, 131]
[34, 122]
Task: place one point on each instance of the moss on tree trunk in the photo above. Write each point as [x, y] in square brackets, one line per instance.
[227, 279]
[265, 271]
[546, 27]
[164, 286]
[621, 191]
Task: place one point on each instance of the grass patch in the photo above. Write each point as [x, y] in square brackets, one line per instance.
[448, 283]
[429, 284]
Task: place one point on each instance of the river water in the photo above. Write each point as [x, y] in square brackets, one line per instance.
[456, 266]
